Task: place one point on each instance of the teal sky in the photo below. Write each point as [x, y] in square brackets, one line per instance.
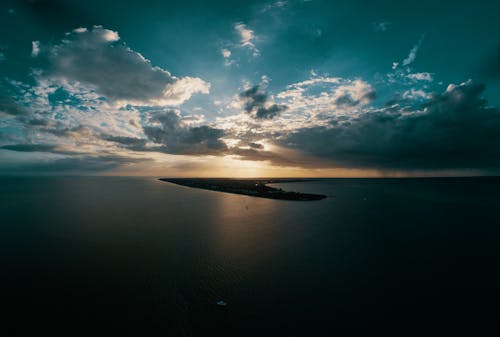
[314, 88]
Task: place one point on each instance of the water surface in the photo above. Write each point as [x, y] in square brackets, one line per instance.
[140, 257]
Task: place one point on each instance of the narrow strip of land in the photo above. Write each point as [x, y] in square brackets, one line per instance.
[251, 187]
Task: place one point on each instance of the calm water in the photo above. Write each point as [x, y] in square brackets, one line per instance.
[140, 257]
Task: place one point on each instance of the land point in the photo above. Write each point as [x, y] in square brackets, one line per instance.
[250, 187]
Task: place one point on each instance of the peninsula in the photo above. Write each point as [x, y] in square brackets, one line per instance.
[251, 187]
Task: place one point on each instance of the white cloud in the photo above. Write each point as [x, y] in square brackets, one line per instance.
[314, 102]
[415, 94]
[274, 5]
[315, 80]
[75, 129]
[247, 37]
[182, 90]
[35, 48]
[421, 76]
[110, 35]
[413, 53]
[80, 30]
[326, 96]
[451, 87]
[264, 79]
[382, 26]
[116, 72]
[226, 53]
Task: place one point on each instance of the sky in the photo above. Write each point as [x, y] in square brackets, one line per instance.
[292, 88]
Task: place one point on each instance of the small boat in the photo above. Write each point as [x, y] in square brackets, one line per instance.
[221, 303]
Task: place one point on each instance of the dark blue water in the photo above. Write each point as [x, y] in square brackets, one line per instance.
[140, 257]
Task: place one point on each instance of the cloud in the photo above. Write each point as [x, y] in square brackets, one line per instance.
[258, 104]
[452, 130]
[107, 35]
[382, 26]
[226, 53]
[37, 122]
[256, 146]
[168, 130]
[327, 96]
[131, 143]
[253, 154]
[121, 75]
[11, 107]
[97, 98]
[29, 147]
[274, 5]
[247, 37]
[83, 164]
[354, 98]
[80, 30]
[415, 94]
[421, 77]
[413, 53]
[35, 48]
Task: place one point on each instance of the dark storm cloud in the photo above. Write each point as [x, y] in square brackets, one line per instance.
[455, 129]
[29, 147]
[25, 115]
[348, 100]
[46, 148]
[289, 159]
[127, 141]
[11, 107]
[256, 146]
[37, 122]
[134, 144]
[253, 154]
[71, 165]
[257, 103]
[270, 112]
[70, 132]
[180, 139]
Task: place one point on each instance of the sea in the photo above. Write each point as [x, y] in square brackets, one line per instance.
[128, 256]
